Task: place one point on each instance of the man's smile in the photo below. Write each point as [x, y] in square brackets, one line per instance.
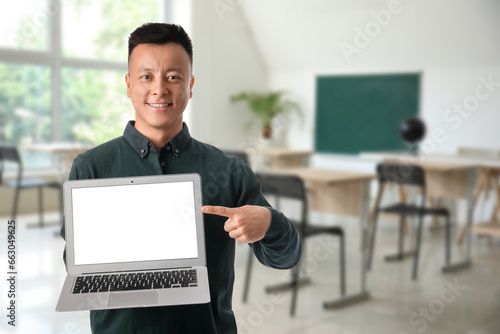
[159, 105]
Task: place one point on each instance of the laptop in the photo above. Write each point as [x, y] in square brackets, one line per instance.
[134, 242]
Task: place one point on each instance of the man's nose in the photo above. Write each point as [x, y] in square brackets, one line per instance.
[159, 86]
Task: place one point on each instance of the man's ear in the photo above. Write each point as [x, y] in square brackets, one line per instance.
[127, 81]
[191, 84]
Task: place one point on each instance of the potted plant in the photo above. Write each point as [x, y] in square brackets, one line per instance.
[266, 106]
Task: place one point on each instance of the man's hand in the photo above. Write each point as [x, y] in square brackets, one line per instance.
[246, 224]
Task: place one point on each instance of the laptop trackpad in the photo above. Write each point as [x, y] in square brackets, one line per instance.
[136, 298]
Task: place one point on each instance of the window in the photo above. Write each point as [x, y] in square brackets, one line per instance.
[24, 25]
[95, 103]
[62, 69]
[25, 102]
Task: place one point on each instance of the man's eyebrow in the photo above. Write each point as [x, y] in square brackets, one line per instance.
[149, 69]
[177, 69]
[144, 69]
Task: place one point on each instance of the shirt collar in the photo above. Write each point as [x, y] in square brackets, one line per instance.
[142, 145]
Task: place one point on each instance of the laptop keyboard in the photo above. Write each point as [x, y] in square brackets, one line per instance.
[136, 281]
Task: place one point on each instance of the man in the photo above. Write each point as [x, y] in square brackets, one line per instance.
[160, 83]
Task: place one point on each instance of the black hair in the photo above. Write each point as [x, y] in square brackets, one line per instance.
[160, 33]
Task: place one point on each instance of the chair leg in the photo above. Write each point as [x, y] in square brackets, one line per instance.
[417, 249]
[15, 204]
[247, 276]
[40, 206]
[295, 286]
[342, 266]
[372, 242]
[401, 235]
[448, 241]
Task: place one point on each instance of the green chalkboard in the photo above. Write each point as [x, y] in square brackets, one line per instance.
[358, 113]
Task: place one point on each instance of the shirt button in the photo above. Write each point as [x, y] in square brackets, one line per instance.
[169, 148]
[176, 151]
[162, 164]
[142, 151]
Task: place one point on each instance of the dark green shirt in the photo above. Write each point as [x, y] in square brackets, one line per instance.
[226, 181]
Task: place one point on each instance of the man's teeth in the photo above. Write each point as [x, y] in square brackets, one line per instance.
[162, 105]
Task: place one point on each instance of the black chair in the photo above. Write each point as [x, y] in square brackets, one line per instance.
[292, 187]
[410, 175]
[10, 154]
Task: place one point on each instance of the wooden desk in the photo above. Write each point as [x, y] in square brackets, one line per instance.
[489, 173]
[445, 178]
[277, 158]
[344, 193]
[488, 179]
[63, 154]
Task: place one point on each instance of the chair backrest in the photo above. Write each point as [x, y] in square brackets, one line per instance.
[285, 187]
[401, 174]
[239, 154]
[9, 153]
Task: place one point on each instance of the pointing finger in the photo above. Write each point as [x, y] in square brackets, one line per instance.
[218, 210]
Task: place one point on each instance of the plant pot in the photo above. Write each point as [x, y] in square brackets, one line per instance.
[267, 131]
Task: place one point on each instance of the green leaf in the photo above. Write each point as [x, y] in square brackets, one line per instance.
[266, 106]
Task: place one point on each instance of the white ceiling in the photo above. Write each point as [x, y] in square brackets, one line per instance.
[307, 35]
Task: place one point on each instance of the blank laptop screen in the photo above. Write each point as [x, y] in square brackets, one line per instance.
[128, 223]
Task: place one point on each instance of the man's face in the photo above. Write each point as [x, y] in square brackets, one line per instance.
[159, 84]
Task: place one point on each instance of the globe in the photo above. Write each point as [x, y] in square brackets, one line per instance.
[412, 130]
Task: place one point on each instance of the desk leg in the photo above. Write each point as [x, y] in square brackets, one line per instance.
[470, 211]
[481, 186]
[496, 211]
[363, 294]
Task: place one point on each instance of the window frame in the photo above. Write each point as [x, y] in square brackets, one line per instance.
[53, 59]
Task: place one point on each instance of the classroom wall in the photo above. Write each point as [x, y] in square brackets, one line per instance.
[455, 116]
[465, 104]
[454, 44]
[226, 61]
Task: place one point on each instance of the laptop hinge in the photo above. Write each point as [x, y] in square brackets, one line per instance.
[132, 271]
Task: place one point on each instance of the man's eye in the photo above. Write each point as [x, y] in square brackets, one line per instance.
[145, 77]
[173, 77]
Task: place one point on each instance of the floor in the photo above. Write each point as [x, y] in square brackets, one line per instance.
[467, 301]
